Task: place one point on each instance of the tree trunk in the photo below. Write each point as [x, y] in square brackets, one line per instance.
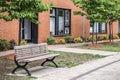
[110, 31]
[92, 25]
[96, 33]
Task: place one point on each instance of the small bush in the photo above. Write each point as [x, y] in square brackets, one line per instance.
[99, 38]
[78, 40]
[51, 40]
[118, 35]
[105, 37]
[90, 38]
[68, 39]
[83, 38]
[12, 43]
[115, 37]
[4, 45]
[23, 42]
[62, 41]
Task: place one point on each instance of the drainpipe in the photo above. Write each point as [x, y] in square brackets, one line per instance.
[19, 32]
[83, 28]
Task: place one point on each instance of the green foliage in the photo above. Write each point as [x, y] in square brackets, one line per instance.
[23, 42]
[118, 35]
[78, 40]
[105, 37]
[100, 11]
[83, 38]
[4, 45]
[12, 43]
[69, 39]
[51, 40]
[99, 38]
[115, 37]
[62, 41]
[18, 9]
[90, 38]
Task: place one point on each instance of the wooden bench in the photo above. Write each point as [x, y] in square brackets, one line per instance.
[29, 53]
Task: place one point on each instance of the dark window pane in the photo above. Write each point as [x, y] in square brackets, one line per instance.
[60, 22]
[61, 12]
[67, 17]
[99, 28]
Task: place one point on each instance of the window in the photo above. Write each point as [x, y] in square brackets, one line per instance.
[60, 22]
[99, 28]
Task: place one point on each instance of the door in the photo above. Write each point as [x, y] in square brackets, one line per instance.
[29, 31]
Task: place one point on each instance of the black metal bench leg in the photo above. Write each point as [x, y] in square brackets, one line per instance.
[50, 60]
[20, 66]
[13, 71]
[55, 64]
[44, 62]
[27, 71]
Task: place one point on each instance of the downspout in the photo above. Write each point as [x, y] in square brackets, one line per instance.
[19, 32]
[83, 28]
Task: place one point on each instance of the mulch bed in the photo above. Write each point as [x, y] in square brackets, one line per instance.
[95, 45]
[110, 43]
[9, 56]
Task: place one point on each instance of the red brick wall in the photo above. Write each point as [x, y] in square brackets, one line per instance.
[9, 30]
[44, 27]
[76, 21]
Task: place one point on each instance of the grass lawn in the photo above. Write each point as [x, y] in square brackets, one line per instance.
[105, 47]
[5, 67]
[64, 60]
[67, 59]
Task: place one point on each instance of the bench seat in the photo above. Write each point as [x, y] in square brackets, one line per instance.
[38, 58]
[29, 53]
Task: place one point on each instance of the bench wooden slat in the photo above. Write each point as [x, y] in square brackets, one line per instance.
[30, 50]
[38, 58]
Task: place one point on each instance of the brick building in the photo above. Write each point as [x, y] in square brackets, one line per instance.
[59, 22]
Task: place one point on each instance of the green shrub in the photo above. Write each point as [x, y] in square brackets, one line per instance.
[105, 37]
[62, 41]
[78, 40]
[100, 38]
[12, 43]
[83, 38]
[115, 37]
[68, 39]
[4, 45]
[51, 40]
[90, 38]
[118, 35]
[23, 42]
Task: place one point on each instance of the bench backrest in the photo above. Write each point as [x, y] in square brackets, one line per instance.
[28, 51]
